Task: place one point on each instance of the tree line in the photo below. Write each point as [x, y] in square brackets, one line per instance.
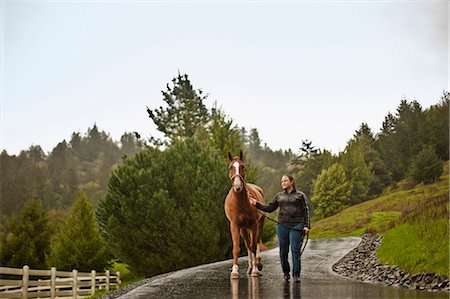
[157, 204]
[81, 165]
[412, 143]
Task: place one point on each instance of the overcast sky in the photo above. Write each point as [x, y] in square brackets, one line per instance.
[292, 69]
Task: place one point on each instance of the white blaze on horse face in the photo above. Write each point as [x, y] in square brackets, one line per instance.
[237, 182]
[236, 166]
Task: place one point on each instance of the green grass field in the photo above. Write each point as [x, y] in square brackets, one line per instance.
[414, 221]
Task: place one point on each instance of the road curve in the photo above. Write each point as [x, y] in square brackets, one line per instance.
[317, 279]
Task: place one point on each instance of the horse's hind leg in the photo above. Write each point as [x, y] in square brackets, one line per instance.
[259, 242]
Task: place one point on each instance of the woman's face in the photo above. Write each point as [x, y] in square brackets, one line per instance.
[285, 182]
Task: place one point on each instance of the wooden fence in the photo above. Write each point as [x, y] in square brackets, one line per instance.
[27, 283]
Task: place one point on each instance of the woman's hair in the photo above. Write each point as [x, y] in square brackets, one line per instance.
[291, 178]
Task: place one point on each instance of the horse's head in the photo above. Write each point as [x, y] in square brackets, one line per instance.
[237, 172]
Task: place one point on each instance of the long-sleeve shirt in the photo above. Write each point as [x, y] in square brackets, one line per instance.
[293, 207]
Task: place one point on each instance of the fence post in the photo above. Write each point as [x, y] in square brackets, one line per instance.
[25, 279]
[107, 280]
[93, 282]
[118, 280]
[75, 284]
[53, 283]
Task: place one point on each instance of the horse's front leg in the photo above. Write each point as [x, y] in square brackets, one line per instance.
[234, 229]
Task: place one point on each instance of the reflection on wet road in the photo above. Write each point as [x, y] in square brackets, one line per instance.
[317, 279]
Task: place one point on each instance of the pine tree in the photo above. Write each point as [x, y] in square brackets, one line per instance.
[426, 167]
[26, 241]
[309, 165]
[223, 134]
[130, 144]
[164, 209]
[436, 126]
[185, 112]
[79, 244]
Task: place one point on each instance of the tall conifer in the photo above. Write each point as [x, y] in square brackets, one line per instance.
[79, 244]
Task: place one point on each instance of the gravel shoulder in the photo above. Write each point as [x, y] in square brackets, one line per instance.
[362, 264]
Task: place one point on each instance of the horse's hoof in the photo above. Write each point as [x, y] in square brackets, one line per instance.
[234, 275]
[255, 274]
[260, 267]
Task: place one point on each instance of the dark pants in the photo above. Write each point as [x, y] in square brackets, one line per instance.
[290, 233]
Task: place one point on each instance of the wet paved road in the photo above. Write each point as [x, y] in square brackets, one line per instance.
[317, 279]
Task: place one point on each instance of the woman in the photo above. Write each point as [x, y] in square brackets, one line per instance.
[293, 223]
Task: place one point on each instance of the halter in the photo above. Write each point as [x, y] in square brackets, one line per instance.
[240, 176]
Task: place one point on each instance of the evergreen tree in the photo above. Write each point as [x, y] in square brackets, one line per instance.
[426, 167]
[402, 136]
[363, 165]
[409, 132]
[380, 175]
[79, 244]
[254, 144]
[131, 144]
[331, 191]
[10, 190]
[185, 112]
[307, 149]
[164, 210]
[223, 134]
[23, 177]
[26, 240]
[436, 126]
[33, 170]
[364, 133]
[309, 164]
[62, 175]
[77, 146]
[386, 144]
[360, 177]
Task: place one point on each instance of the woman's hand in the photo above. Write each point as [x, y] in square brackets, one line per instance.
[252, 201]
[306, 230]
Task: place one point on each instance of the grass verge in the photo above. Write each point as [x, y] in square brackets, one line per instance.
[414, 221]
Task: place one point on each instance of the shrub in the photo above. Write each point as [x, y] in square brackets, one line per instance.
[426, 167]
[164, 209]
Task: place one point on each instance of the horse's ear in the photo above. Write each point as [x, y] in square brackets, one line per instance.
[241, 155]
[230, 156]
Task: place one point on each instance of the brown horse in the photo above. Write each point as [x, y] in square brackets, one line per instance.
[244, 217]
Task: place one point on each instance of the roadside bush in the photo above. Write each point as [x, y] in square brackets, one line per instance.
[164, 209]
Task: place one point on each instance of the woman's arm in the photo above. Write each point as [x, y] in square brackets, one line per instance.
[272, 206]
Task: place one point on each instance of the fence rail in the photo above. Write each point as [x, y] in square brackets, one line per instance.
[29, 283]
